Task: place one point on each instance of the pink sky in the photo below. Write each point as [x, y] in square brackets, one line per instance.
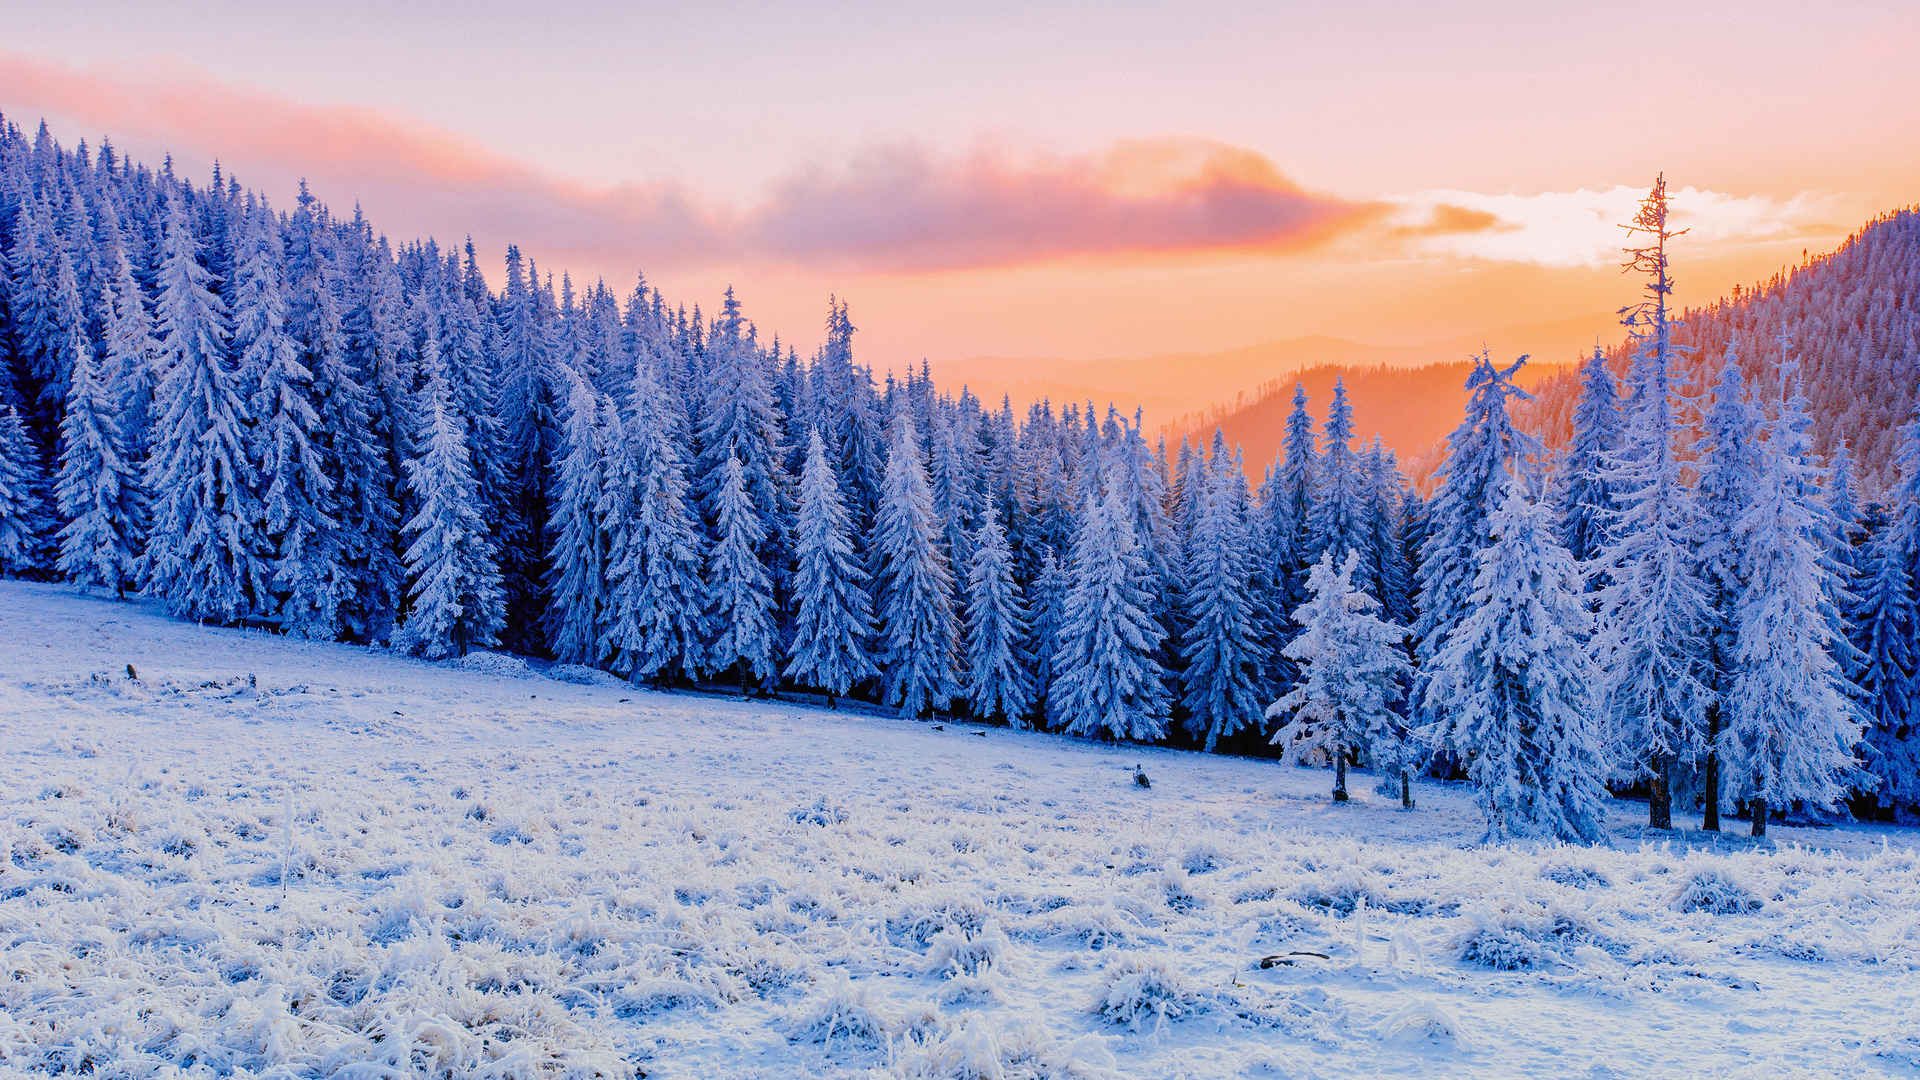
[1039, 181]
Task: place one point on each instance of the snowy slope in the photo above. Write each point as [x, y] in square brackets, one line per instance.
[266, 857]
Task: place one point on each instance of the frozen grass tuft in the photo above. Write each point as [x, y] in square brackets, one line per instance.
[1136, 989]
[1713, 890]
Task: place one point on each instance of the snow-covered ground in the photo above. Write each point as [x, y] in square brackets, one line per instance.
[258, 856]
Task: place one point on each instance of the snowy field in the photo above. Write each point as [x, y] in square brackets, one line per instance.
[264, 857]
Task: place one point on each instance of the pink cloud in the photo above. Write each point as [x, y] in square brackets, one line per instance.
[897, 208]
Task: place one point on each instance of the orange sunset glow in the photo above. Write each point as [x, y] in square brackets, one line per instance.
[1060, 250]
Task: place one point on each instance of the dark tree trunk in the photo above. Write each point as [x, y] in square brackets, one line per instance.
[1759, 811]
[1340, 776]
[1710, 782]
[1660, 794]
[833, 703]
[1406, 792]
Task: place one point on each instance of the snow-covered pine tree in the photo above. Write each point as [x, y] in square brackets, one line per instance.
[1284, 538]
[531, 386]
[739, 593]
[1107, 680]
[1790, 725]
[918, 642]
[200, 558]
[67, 335]
[1653, 605]
[1339, 506]
[1887, 623]
[1383, 570]
[577, 607]
[455, 600]
[1729, 472]
[1046, 608]
[24, 521]
[999, 678]
[298, 534]
[31, 307]
[361, 500]
[658, 593]
[97, 489]
[1221, 650]
[738, 419]
[1352, 674]
[260, 339]
[1299, 483]
[1588, 502]
[1384, 575]
[1481, 453]
[1514, 685]
[131, 367]
[833, 613]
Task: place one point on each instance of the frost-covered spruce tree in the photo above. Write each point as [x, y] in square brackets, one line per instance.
[1383, 557]
[455, 600]
[1338, 510]
[1887, 622]
[31, 303]
[131, 363]
[999, 679]
[299, 537]
[1790, 726]
[1299, 483]
[1221, 648]
[260, 339]
[200, 557]
[577, 563]
[739, 593]
[1653, 606]
[918, 642]
[1481, 453]
[658, 593]
[532, 387]
[362, 497]
[1046, 607]
[1107, 680]
[738, 418]
[24, 521]
[97, 489]
[833, 614]
[1729, 472]
[1352, 674]
[1285, 538]
[1513, 685]
[1384, 575]
[1588, 502]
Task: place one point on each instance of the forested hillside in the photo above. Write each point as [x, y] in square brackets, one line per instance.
[1850, 320]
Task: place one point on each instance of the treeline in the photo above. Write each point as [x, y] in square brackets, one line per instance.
[278, 418]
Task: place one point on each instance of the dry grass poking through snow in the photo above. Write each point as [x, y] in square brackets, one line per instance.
[352, 865]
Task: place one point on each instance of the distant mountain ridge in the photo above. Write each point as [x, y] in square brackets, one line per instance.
[1851, 319]
[1411, 408]
[1184, 390]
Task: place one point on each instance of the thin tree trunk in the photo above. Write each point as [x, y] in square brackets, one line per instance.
[1406, 791]
[1660, 794]
[1759, 811]
[1710, 776]
[1340, 776]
